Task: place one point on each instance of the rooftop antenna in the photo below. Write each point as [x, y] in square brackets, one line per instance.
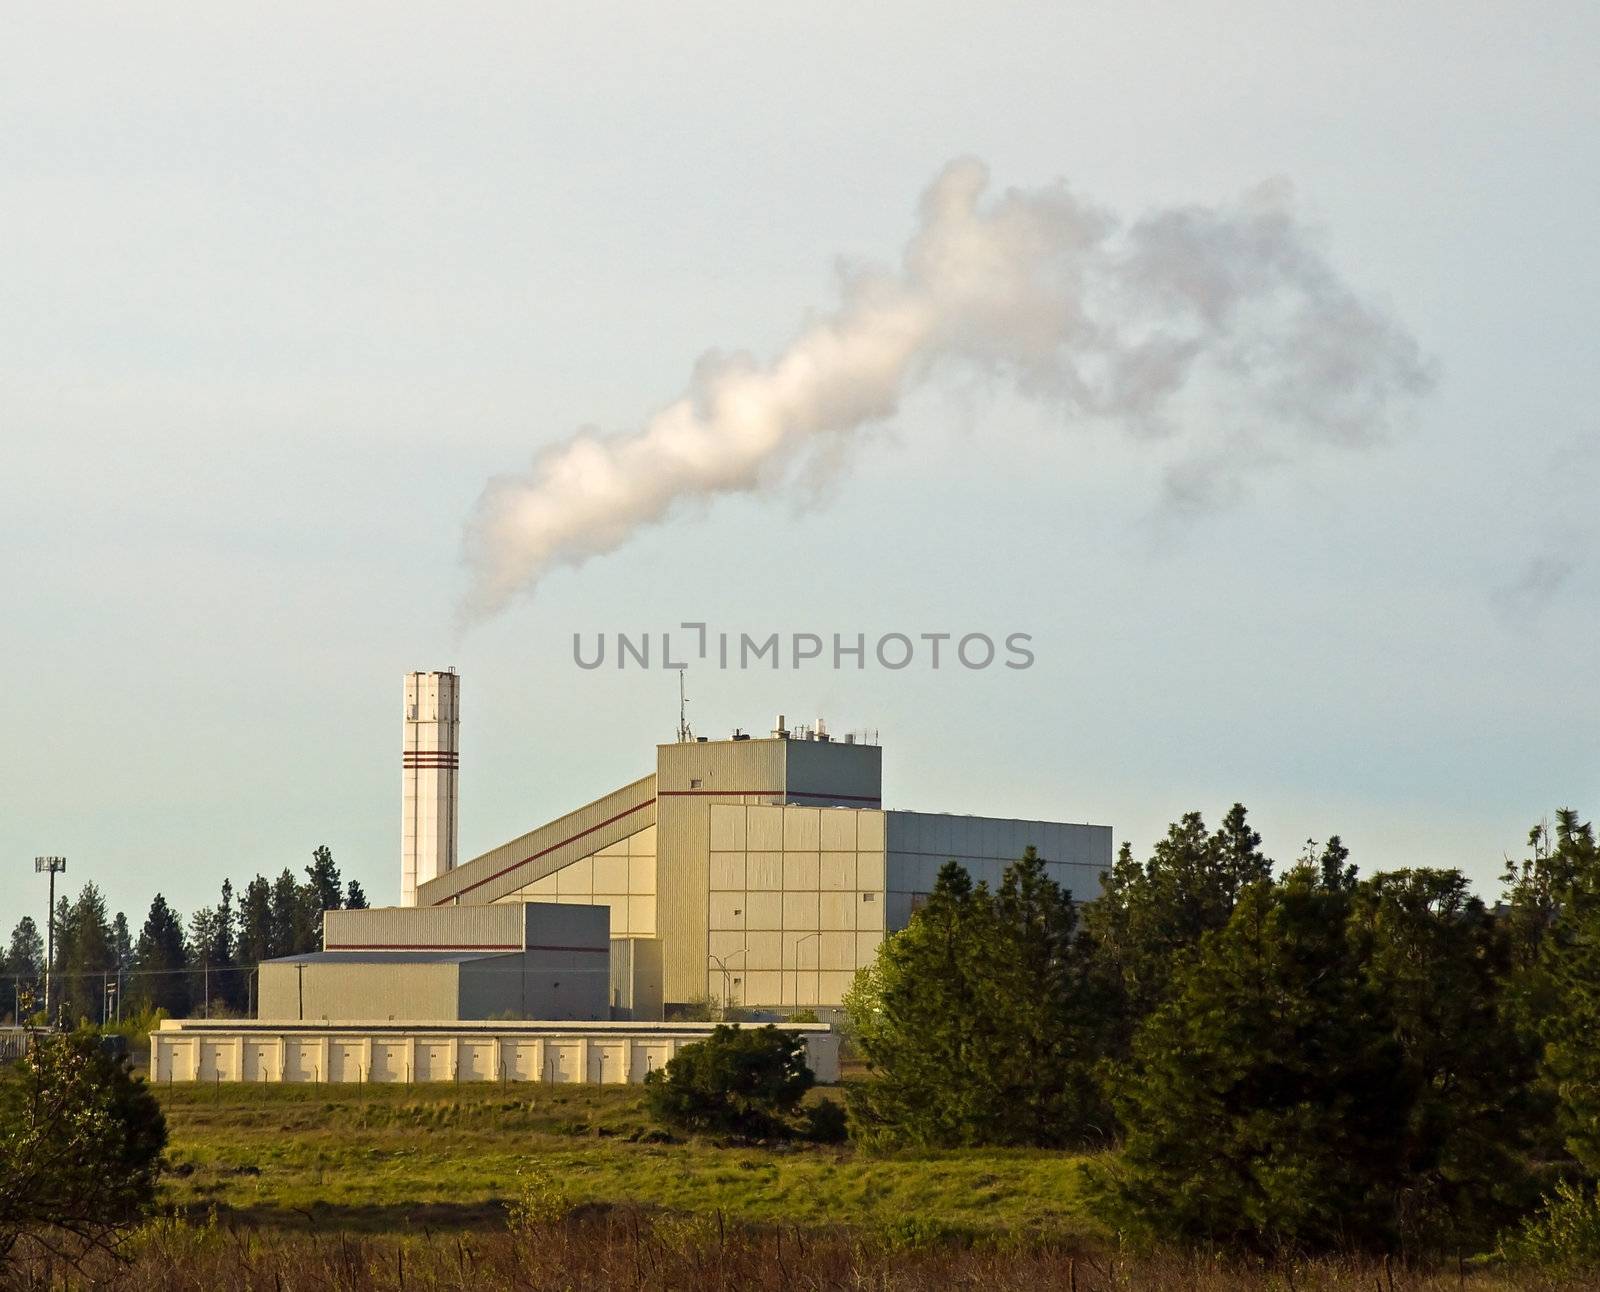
[685, 736]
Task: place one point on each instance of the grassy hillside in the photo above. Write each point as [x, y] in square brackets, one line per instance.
[398, 1158]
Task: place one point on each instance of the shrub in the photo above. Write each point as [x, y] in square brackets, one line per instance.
[825, 1122]
[1564, 1235]
[80, 1146]
[738, 1081]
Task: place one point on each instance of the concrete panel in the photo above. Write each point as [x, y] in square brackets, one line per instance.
[642, 916]
[872, 910]
[577, 878]
[838, 871]
[391, 1061]
[838, 910]
[763, 910]
[762, 949]
[831, 987]
[642, 875]
[648, 1056]
[800, 910]
[764, 871]
[608, 1062]
[477, 1060]
[260, 1060]
[563, 1062]
[837, 951]
[611, 874]
[347, 1061]
[727, 827]
[870, 870]
[801, 831]
[761, 989]
[869, 831]
[765, 829]
[725, 945]
[867, 945]
[642, 843]
[838, 829]
[191, 1049]
[800, 871]
[727, 871]
[727, 911]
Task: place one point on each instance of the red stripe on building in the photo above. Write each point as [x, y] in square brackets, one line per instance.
[489, 879]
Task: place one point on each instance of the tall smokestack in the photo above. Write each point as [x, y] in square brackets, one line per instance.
[430, 761]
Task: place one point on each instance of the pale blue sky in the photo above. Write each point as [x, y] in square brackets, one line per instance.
[282, 286]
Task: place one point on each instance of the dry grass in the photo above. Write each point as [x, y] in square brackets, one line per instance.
[627, 1248]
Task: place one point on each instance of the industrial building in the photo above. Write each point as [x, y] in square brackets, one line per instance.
[540, 960]
[765, 871]
[762, 872]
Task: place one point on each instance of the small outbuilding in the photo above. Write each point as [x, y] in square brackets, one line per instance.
[529, 961]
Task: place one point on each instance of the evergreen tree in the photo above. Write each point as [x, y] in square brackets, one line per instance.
[288, 920]
[971, 1019]
[1434, 959]
[121, 943]
[89, 957]
[1029, 984]
[256, 941]
[355, 899]
[161, 962]
[915, 1025]
[322, 879]
[1151, 915]
[25, 962]
[1262, 1101]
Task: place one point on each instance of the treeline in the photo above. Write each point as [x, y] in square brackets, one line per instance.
[101, 970]
[1285, 1062]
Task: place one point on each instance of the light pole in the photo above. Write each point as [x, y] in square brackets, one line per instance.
[817, 965]
[53, 866]
[723, 965]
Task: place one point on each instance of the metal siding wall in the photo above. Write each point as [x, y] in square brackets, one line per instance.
[359, 991]
[451, 927]
[571, 837]
[818, 770]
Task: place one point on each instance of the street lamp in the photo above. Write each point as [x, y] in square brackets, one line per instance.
[816, 965]
[723, 965]
[51, 866]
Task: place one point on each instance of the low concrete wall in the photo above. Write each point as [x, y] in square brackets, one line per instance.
[381, 1052]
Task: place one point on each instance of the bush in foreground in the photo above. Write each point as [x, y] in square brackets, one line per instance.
[738, 1081]
[80, 1147]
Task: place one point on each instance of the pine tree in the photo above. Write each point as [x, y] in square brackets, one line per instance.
[1029, 984]
[161, 962]
[90, 957]
[25, 962]
[288, 920]
[121, 943]
[915, 1025]
[1151, 915]
[322, 878]
[256, 923]
[1263, 1100]
[355, 899]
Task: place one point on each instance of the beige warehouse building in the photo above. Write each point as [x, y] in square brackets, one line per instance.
[763, 871]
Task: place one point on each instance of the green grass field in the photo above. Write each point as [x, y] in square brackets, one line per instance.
[404, 1159]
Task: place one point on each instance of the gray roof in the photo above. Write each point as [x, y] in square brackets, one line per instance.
[388, 957]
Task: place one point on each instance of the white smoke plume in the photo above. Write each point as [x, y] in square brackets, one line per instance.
[1225, 326]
